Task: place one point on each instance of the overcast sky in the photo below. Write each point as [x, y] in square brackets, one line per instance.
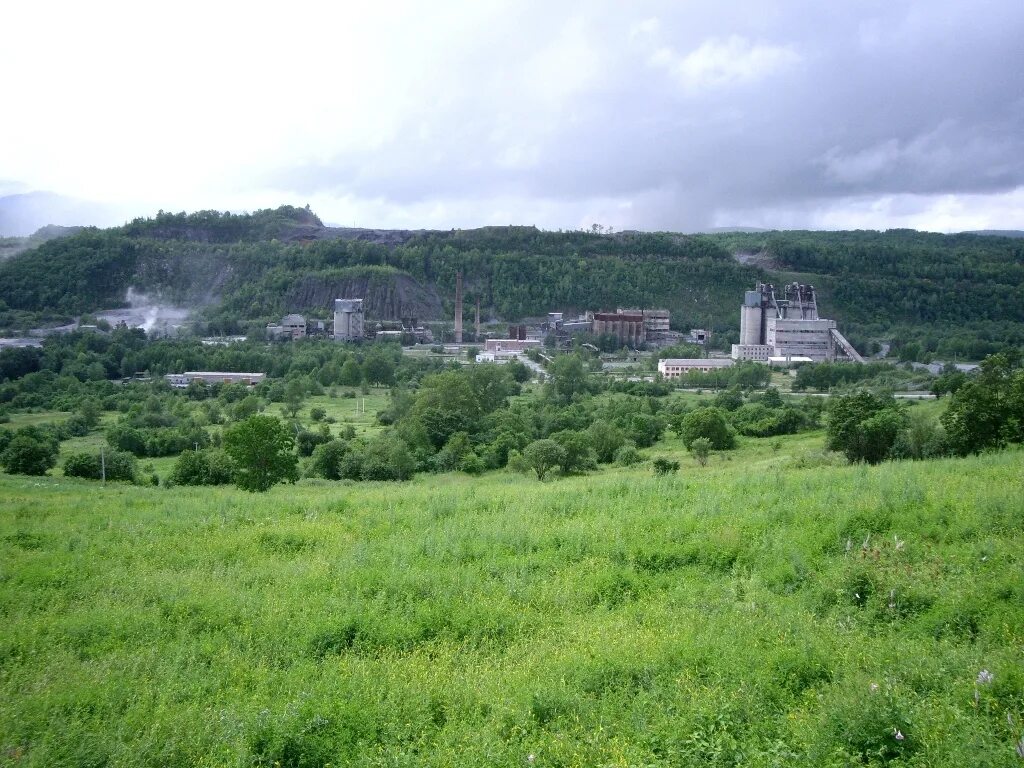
[675, 115]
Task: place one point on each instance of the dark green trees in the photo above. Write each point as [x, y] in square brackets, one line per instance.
[30, 452]
[709, 423]
[864, 426]
[987, 411]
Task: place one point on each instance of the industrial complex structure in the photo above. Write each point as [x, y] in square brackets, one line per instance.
[787, 326]
[348, 319]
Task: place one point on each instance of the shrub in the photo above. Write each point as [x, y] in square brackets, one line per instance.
[663, 466]
[209, 466]
[30, 452]
[864, 426]
[700, 449]
[628, 455]
[709, 423]
[542, 456]
[326, 460]
[113, 465]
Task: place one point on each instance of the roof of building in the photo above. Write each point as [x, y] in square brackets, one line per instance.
[220, 373]
[293, 320]
[692, 362]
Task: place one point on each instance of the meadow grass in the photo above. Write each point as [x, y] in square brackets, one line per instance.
[747, 613]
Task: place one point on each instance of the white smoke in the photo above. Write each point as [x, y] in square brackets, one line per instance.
[146, 312]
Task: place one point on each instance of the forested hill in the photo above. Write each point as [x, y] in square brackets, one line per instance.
[951, 294]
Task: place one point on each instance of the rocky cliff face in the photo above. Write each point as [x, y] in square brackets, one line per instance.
[389, 297]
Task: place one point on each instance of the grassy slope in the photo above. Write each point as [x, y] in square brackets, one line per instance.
[711, 618]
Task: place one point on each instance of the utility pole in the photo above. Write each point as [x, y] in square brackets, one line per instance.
[103, 465]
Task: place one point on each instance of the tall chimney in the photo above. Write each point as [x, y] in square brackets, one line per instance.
[458, 307]
[478, 318]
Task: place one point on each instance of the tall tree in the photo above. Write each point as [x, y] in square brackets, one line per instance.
[261, 446]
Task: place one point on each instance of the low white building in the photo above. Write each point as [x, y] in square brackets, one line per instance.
[182, 380]
[674, 367]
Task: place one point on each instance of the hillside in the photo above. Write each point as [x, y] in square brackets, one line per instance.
[954, 295]
[828, 616]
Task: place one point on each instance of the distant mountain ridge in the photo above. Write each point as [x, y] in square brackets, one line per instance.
[25, 213]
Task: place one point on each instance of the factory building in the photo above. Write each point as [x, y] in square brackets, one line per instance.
[674, 367]
[291, 328]
[787, 325]
[656, 321]
[182, 380]
[348, 319]
[629, 329]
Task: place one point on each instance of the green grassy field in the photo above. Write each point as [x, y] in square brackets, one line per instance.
[748, 613]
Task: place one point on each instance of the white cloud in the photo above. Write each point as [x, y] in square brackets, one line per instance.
[721, 62]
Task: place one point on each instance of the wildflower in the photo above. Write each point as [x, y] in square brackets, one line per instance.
[984, 677]
[874, 687]
[898, 734]
[899, 544]
[530, 758]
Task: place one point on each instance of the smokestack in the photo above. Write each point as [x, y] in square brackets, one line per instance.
[458, 307]
[478, 318]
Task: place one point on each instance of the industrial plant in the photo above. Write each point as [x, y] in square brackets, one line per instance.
[786, 327]
[776, 328]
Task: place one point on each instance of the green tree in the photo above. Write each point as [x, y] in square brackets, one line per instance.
[542, 456]
[568, 378]
[351, 374]
[700, 449]
[261, 446]
[709, 423]
[577, 452]
[606, 439]
[988, 410]
[326, 459]
[26, 454]
[864, 426]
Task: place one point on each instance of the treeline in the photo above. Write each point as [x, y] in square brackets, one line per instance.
[38, 377]
[985, 412]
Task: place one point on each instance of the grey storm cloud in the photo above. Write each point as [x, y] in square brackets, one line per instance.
[651, 114]
[681, 111]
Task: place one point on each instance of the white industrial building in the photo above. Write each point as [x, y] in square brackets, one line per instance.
[182, 380]
[787, 326]
[674, 367]
[348, 319]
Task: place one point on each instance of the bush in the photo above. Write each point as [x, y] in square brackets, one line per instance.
[864, 426]
[326, 460]
[628, 455]
[209, 466]
[542, 456]
[30, 452]
[709, 423]
[306, 441]
[664, 466]
[113, 465]
[700, 449]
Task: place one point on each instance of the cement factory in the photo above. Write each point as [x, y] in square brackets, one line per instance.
[776, 328]
[787, 326]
